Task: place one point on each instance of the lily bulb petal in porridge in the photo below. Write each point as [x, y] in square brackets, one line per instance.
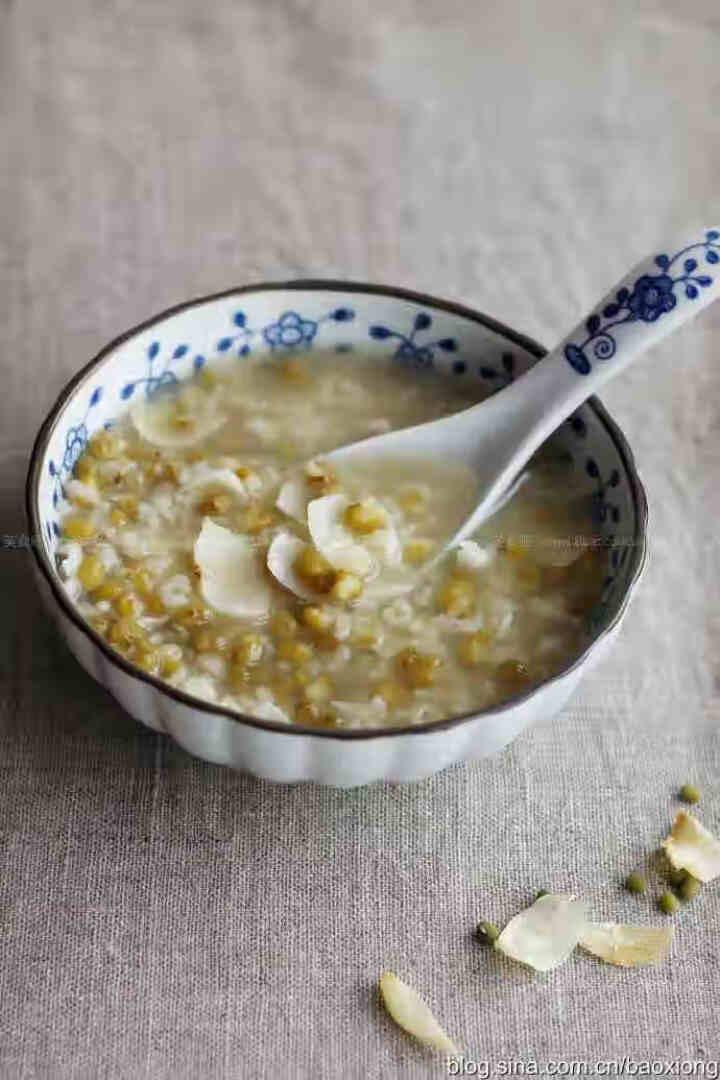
[208, 542]
[231, 581]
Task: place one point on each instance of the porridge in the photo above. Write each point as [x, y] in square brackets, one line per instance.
[208, 542]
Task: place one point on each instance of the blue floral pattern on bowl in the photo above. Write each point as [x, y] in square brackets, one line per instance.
[158, 378]
[651, 297]
[76, 440]
[289, 331]
[416, 354]
[408, 350]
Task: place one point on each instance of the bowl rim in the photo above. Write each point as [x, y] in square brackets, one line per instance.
[514, 337]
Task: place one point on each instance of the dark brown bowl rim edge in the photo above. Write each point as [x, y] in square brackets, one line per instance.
[330, 285]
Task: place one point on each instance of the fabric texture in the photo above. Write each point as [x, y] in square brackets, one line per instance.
[163, 918]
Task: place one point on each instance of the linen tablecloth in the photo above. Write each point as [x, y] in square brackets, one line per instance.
[160, 917]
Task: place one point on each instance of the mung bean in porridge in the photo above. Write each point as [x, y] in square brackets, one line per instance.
[210, 544]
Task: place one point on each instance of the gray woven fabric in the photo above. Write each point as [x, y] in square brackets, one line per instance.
[163, 918]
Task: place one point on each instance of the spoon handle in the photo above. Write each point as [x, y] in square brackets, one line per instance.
[653, 300]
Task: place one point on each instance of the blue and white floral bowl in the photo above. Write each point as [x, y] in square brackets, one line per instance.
[395, 326]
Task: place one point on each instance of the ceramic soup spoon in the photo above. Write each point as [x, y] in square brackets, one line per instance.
[496, 438]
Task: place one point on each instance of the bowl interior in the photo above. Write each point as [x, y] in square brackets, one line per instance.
[393, 327]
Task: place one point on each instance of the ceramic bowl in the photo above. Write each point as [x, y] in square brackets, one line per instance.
[395, 327]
